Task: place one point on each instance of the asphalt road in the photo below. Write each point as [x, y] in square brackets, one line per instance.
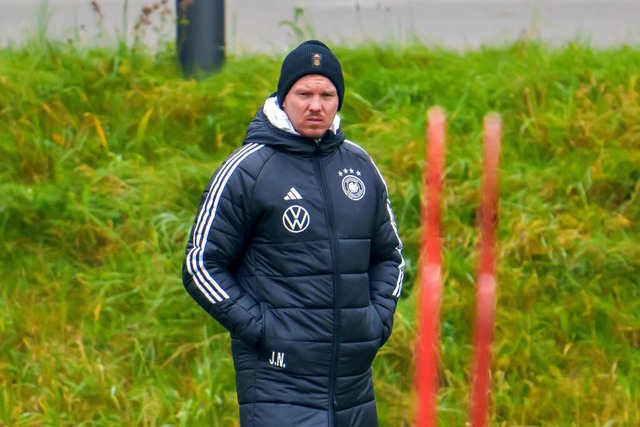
[273, 26]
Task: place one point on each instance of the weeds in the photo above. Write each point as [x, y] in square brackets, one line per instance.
[300, 25]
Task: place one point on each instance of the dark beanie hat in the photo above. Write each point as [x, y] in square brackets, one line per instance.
[311, 57]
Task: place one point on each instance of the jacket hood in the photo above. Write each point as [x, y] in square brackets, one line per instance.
[271, 126]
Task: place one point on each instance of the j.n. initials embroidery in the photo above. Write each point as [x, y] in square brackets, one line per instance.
[277, 359]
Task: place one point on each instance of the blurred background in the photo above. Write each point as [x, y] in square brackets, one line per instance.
[270, 26]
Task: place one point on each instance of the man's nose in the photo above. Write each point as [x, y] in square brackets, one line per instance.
[316, 103]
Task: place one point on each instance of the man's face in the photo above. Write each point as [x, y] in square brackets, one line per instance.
[311, 104]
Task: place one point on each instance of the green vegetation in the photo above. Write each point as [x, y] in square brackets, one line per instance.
[103, 157]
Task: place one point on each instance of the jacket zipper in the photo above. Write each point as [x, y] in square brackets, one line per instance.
[336, 285]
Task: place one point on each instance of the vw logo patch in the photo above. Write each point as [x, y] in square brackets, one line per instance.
[296, 219]
[353, 187]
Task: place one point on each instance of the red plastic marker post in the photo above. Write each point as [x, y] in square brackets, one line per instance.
[426, 373]
[486, 291]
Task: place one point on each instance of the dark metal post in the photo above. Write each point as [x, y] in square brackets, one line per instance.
[200, 41]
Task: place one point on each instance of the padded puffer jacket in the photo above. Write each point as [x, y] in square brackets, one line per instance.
[296, 252]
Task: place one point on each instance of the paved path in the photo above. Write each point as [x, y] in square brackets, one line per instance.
[270, 26]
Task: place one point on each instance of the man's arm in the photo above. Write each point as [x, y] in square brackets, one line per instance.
[216, 242]
[386, 269]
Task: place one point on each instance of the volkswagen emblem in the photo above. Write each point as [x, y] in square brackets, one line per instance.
[296, 219]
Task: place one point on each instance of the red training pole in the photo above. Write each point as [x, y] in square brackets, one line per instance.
[426, 373]
[486, 290]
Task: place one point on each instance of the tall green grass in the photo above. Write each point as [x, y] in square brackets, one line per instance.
[103, 157]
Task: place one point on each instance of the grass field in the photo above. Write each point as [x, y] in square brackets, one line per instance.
[103, 157]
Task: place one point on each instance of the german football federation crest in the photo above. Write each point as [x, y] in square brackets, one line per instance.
[352, 186]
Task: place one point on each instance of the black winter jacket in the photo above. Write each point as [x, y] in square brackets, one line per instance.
[295, 251]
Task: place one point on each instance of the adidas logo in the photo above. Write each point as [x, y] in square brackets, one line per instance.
[293, 195]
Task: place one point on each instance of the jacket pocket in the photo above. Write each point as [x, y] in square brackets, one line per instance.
[297, 340]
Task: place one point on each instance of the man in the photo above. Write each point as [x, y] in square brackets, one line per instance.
[295, 251]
